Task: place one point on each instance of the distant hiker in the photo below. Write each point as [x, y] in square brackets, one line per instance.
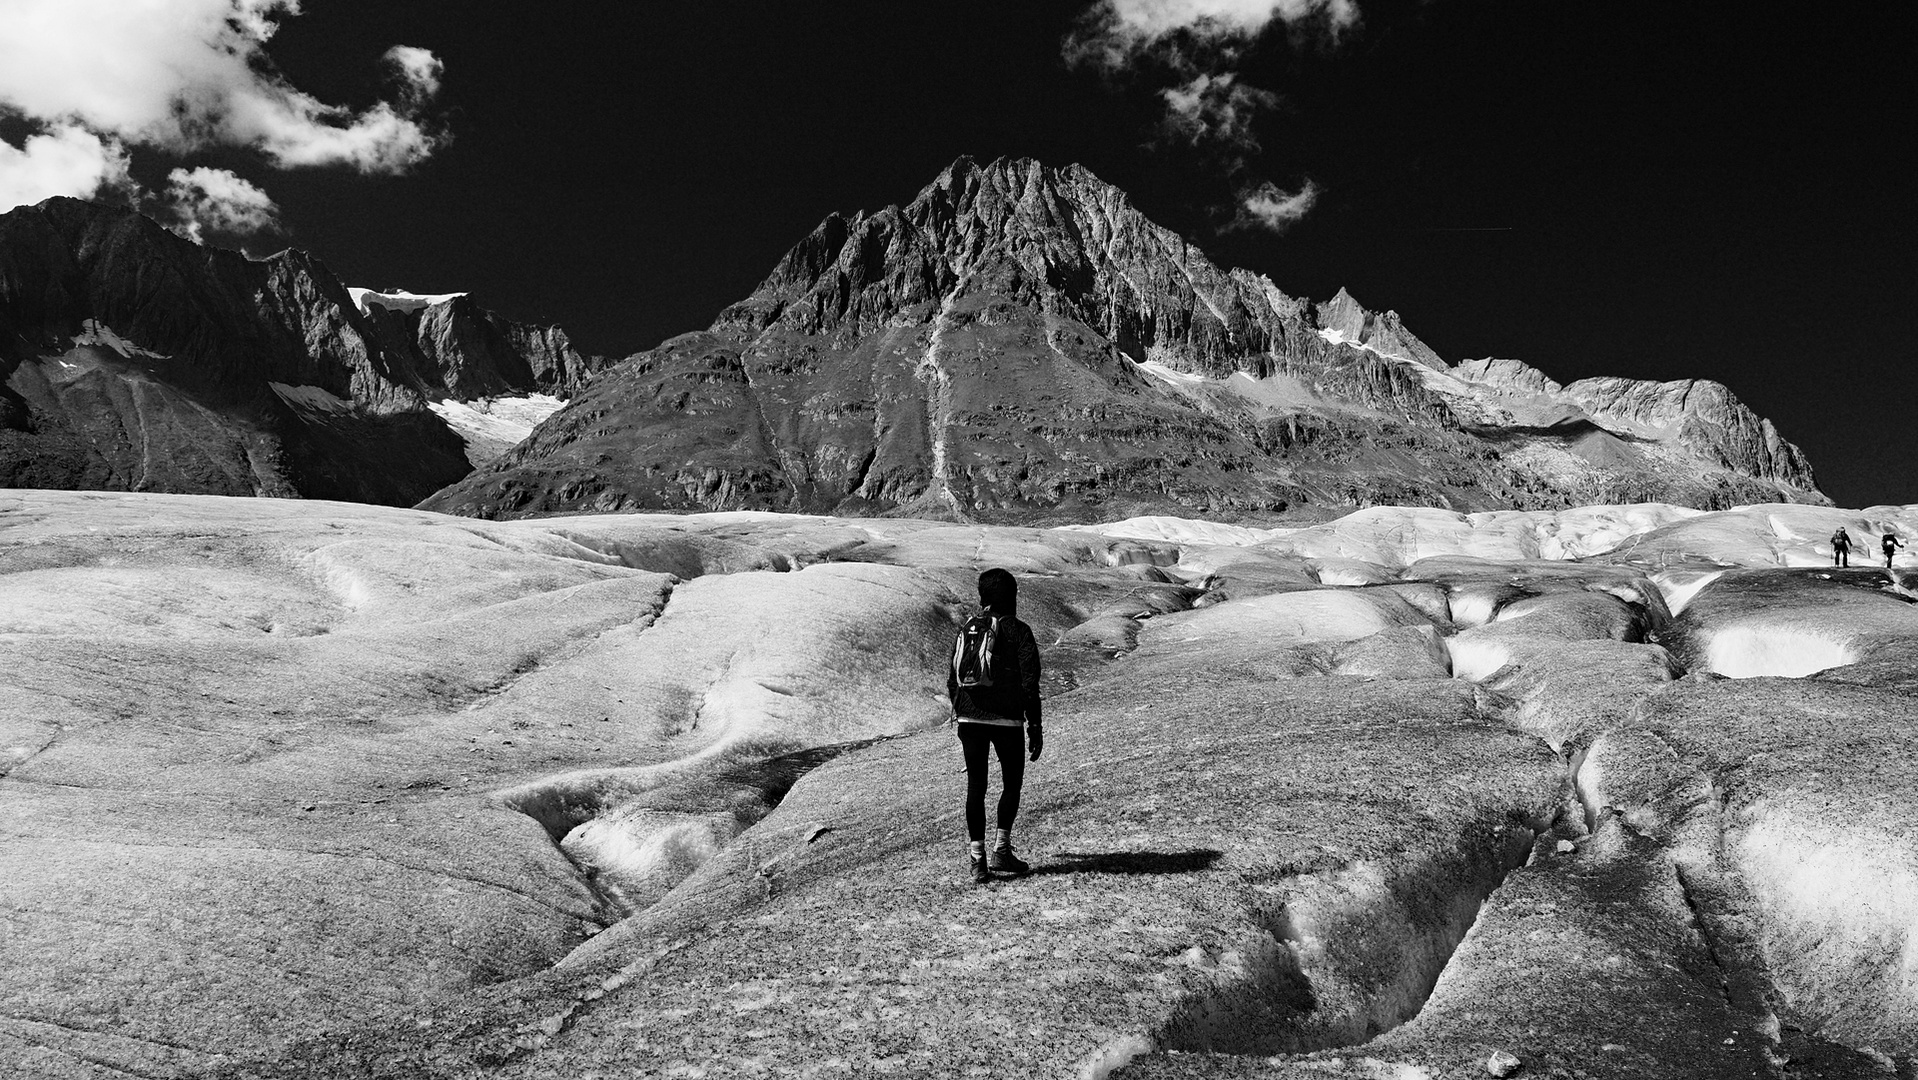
[1892, 543]
[1841, 547]
[994, 686]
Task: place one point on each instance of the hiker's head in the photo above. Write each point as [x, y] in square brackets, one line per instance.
[999, 592]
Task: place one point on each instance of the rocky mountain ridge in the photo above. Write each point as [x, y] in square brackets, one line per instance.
[131, 359]
[1018, 343]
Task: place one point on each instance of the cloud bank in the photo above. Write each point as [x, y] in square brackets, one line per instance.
[1209, 108]
[180, 76]
[1116, 33]
[63, 160]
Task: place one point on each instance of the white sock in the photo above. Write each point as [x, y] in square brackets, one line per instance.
[975, 847]
[1002, 839]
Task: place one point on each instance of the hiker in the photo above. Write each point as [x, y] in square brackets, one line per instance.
[1841, 547]
[994, 686]
[1892, 543]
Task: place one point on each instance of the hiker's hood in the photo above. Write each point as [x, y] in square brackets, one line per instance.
[999, 593]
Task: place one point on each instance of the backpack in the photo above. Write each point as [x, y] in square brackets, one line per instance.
[972, 651]
[1840, 539]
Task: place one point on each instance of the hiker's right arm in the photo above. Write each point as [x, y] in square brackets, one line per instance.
[952, 684]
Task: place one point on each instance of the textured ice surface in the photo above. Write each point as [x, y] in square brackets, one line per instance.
[332, 790]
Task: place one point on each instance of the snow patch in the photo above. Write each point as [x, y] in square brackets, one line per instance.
[398, 299]
[1276, 391]
[1166, 374]
[492, 426]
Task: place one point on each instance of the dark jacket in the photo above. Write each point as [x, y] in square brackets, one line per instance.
[1014, 693]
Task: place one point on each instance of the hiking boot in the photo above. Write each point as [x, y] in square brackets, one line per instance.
[979, 874]
[1004, 861]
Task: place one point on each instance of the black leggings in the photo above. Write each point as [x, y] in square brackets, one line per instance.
[1010, 744]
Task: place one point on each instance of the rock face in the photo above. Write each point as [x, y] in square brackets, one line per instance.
[131, 359]
[459, 350]
[341, 792]
[1018, 343]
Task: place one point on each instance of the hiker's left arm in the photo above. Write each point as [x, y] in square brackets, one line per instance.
[1029, 675]
[1029, 689]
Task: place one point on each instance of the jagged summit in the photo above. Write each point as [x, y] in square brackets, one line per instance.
[1061, 239]
[1018, 342]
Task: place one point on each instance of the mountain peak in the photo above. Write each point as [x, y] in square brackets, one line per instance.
[1019, 342]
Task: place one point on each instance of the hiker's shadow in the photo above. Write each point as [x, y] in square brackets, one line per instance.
[1130, 862]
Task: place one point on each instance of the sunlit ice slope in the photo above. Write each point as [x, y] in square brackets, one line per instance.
[329, 790]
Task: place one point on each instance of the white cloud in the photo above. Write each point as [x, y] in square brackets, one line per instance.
[1249, 16]
[1115, 33]
[1216, 108]
[419, 69]
[183, 75]
[1268, 206]
[65, 160]
[1210, 109]
[215, 200]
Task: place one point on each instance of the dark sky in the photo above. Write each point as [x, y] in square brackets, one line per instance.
[1657, 190]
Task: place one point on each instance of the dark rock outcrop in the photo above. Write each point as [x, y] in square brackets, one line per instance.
[131, 359]
[1018, 343]
[458, 349]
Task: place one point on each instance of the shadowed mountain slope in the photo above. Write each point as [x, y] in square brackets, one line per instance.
[1018, 343]
[131, 359]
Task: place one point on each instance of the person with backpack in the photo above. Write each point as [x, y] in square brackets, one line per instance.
[1892, 543]
[993, 683]
[1841, 547]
